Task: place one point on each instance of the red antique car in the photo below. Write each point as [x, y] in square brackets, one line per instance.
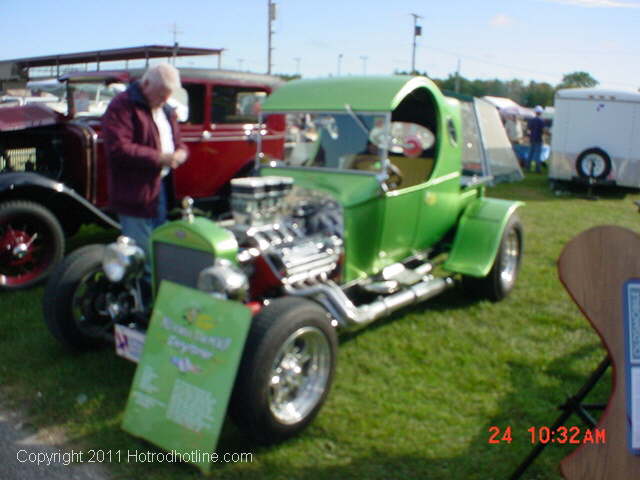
[53, 180]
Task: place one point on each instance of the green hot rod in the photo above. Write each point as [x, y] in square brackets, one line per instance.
[370, 209]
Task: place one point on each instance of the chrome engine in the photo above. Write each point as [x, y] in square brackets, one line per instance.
[296, 231]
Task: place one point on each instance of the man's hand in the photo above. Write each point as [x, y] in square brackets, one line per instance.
[168, 160]
[181, 156]
[173, 160]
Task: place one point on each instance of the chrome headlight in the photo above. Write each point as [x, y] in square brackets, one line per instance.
[224, 279]
[123, 260]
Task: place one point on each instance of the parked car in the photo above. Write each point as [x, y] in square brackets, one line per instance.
[366, 210]
[52, 167]
[15, 100]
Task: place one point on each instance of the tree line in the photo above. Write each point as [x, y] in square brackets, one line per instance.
[529, 95]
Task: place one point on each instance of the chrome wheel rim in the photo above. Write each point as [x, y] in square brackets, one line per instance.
[299, 375]
[26, 249]
[510, 258]
[92, 304]
[594, 162]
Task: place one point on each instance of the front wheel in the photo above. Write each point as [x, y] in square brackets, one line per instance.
[31, 243]
[286, 370]
[80, 304]
[504, 271]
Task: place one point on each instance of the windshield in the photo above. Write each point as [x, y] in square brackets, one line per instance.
[92, 99]
[346, 140]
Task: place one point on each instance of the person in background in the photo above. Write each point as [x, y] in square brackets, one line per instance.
[142, 146]
[513, 127]
[536, 129]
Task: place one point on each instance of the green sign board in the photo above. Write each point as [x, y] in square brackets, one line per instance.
[184, 378]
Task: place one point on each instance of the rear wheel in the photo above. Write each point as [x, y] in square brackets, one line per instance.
[80, 303]
[286, 370]
[504, 271]
[31, 243]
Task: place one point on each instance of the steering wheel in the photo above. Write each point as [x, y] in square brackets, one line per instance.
[365, 162]
[368, 163]
[394, 178]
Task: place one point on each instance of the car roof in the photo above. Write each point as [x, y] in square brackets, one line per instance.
[362, 93]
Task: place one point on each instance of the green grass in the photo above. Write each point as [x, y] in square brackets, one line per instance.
[414, 395]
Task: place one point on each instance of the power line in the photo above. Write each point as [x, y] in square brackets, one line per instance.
[539, 73]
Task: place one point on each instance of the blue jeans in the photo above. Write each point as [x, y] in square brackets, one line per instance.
[535, 154]
[140, 230]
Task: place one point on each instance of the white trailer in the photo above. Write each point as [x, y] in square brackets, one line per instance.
[595, 137]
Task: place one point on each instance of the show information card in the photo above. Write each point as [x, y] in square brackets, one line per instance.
[182, 385]
[632, 363]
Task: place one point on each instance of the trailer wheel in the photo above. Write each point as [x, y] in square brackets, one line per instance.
[286, 370]
[593, 163]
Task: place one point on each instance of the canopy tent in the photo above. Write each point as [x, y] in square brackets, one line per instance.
[506, 106]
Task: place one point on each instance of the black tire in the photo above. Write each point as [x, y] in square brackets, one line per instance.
[287, 326]
[593, 163]
[74, 299]
[504, 271]
[71, 226]
[31, 244]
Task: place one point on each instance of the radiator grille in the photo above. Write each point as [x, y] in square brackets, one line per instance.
[19, 159]
[179, 264]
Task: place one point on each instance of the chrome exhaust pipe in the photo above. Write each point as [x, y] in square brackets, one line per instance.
[414, 294]
[348, 315]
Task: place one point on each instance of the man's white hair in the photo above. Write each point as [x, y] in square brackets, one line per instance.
[162, 75]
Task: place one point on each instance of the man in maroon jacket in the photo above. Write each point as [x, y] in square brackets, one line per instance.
[142, 146]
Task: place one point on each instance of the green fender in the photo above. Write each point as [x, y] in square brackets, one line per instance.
[478, 236]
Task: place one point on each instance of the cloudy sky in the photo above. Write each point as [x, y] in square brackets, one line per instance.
[527, 39]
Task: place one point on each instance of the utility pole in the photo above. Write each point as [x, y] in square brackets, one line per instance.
[417, 31]
[457, 85]
[339, 62]
[240, 60]
[364, 64]
[175, 32]
[297, 60]
[272, 17]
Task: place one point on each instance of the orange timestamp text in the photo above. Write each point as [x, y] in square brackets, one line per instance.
[561, 435]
